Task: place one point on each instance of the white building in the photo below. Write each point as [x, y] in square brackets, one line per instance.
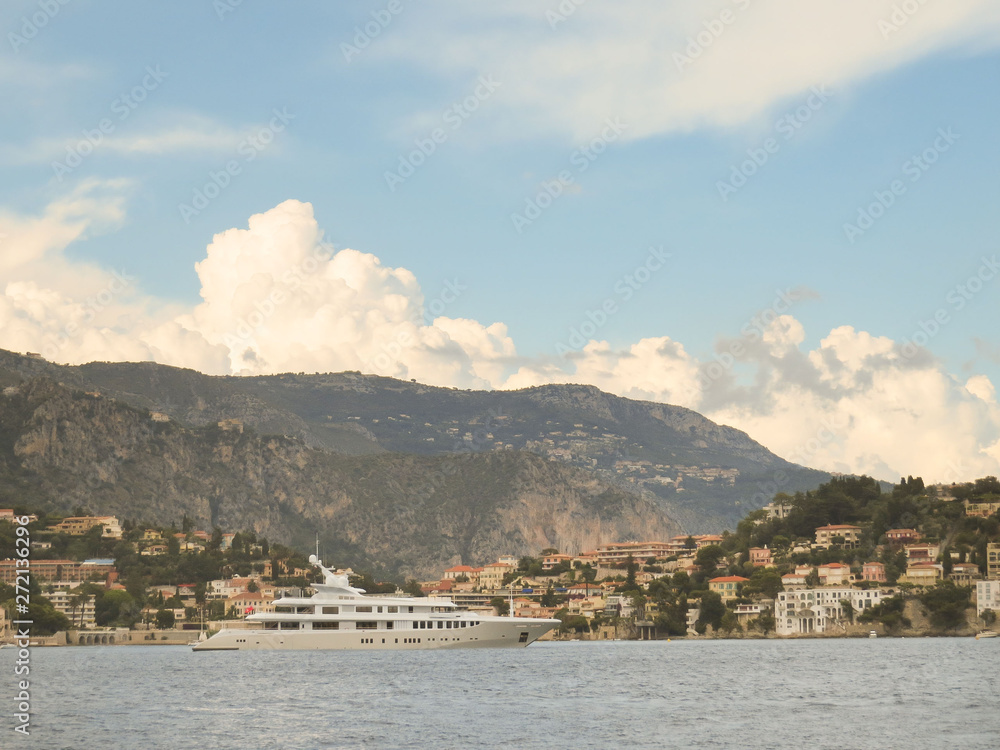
[82, 615]
[816, 610]
[987, 597]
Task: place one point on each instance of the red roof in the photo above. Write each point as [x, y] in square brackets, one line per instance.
[460, 569]
[834, 565]
[729, 579]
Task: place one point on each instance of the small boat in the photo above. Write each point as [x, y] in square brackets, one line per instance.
[872, 634]
[985, 634]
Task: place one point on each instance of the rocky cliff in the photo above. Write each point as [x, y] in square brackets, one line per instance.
[404, 514]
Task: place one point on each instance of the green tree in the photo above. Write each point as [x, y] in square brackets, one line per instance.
[946, 604]
[165, 619]
[848, 609]
[500, 605]
[412, 587]
[576, 623]
[631, 568]
[46, 619]
[708, 557]
[549, 597]
[712, 609]
[766, 622]
[729, 623]
[988, 617]
[116, 608]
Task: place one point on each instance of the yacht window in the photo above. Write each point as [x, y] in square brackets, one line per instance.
[392, 610]
[284, 608]
[389, 625]
[448, 625]
[270, 626]
[362, 609]
[411, 609]
[367, 626]
[440, 625]
[331, 610]
[326, 626]
[305, 610]
[291, 625]
[380, 610]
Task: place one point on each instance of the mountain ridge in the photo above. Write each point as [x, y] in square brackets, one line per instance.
[678, 469]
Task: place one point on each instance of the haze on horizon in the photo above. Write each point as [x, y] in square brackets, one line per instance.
[779, 215]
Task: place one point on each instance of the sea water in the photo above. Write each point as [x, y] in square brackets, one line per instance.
[845, 693]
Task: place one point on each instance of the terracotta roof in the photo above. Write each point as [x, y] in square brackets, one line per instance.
[729, 579]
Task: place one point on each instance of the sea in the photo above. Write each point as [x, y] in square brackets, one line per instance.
[882, 694]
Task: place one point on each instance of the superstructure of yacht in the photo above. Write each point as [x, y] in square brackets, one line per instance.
[339, 616]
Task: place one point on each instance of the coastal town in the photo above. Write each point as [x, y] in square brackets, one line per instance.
[939, 575]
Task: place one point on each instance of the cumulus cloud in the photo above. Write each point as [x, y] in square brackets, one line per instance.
[277, 298]
[667, 67]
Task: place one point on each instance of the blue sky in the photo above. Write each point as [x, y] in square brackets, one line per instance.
[318, 104]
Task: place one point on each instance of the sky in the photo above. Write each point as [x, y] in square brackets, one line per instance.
[779, 214]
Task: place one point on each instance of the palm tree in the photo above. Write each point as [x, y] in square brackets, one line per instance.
[75, 602]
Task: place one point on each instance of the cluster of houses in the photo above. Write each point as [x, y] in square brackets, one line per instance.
[812, 599]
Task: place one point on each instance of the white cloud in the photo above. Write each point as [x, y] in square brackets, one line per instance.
[187, 133]
[276, 298]
[621, 59]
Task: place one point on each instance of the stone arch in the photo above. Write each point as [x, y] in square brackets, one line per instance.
[111, 639]
[104, 639]
[90, 640]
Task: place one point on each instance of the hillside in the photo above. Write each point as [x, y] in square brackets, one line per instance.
[395, 513]
[703, 475]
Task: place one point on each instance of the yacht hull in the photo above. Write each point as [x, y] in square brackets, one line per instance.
[503, 632]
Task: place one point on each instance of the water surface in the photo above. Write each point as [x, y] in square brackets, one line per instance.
[858, 693]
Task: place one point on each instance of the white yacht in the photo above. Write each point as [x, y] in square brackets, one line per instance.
[339, 616]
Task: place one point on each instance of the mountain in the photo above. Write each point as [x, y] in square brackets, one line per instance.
[404, 477]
